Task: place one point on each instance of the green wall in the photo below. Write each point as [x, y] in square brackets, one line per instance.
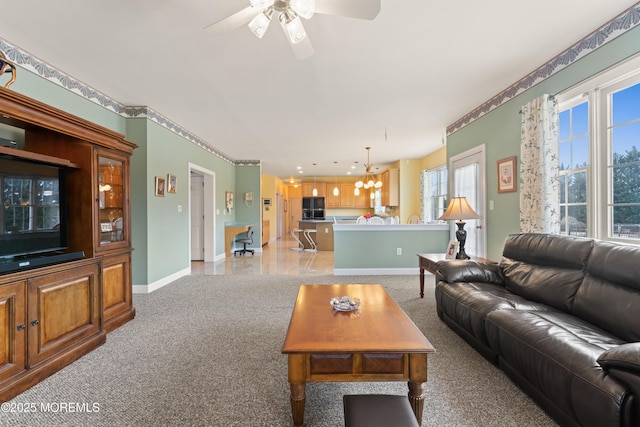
[248, 181]
[500, 131]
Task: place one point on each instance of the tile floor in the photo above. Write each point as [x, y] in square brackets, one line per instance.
[277, 257]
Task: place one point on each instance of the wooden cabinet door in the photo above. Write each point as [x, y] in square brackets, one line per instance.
[362, 200]
[116, 291]
[307, 189]
[295, 212]
[346, 195]
[63, 309]
[112, 222]
[331, 201]
[384, 193]
[13, 332]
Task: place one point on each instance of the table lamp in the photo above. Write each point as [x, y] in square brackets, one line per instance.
[459, 209]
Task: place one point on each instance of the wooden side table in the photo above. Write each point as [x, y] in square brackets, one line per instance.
[428, 262]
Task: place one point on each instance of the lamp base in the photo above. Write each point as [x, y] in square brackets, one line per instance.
[461, 235]
[462, 255]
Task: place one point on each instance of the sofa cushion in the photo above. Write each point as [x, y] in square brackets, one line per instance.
[467, 304]
[556, 354]
[545, 268]
[609, 296]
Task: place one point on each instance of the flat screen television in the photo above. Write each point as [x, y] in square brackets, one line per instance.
[33, 219]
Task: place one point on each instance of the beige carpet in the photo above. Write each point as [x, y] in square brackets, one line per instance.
[205, 351]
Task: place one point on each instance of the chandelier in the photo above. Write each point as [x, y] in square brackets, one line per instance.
[368, 180]
[290, 13]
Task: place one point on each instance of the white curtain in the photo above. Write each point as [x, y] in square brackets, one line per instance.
[539, 167]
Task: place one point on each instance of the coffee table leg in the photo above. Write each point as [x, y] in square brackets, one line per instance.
[421, 282]
[416, 399]
[297, 377]
[417, 379]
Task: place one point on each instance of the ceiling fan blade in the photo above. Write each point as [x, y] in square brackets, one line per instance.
[362, 9]
[234, 21]
[302, 50]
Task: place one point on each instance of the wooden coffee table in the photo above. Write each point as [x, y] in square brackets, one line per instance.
[377, 342]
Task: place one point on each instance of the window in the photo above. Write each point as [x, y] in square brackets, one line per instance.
[599, 129]
[434, 201]
[574, 164]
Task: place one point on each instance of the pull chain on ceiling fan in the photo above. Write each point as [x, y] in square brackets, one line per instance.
[260, 12]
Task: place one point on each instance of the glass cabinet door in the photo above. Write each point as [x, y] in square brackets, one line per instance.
[110, 199]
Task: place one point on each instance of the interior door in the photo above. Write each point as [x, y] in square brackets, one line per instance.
[467, 179]
[279, 215]
[197, 217]
[295, 212]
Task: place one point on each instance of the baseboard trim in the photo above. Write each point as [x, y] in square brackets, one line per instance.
[147, 289]
[376, 271]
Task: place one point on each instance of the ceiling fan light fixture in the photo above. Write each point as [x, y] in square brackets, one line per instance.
[304, 8]
[260, 23]
[262, 4]
[292, 26]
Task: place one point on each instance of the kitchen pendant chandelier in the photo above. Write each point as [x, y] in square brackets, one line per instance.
[290, 13]
[368, 180]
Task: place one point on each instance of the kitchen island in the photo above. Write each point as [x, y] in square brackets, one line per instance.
[322, 236]
[385, 249]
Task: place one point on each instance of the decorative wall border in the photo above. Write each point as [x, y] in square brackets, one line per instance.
[41, 68]
[606, 33]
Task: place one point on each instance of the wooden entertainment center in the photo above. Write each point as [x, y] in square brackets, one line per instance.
[52, 315]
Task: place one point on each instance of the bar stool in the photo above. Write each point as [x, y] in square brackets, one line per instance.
[378, 410]
[307, 235]
[294, 232]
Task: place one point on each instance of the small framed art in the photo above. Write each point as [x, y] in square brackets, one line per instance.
[228, 200]
[507, 175]
[452, 248]
[160, 184]
[171, 183]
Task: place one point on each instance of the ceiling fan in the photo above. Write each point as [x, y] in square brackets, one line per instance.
[260, 12]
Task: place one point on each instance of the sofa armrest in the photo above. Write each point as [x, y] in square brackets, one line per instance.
[622, 363]
[625, 357]
[468, 271]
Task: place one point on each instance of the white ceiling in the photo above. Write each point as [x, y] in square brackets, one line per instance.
[393, 83]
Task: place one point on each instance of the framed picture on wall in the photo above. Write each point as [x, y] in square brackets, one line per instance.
[228, 200]
[171, 183]
[507, 175]
[160, 183]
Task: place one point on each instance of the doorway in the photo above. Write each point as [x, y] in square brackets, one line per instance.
[467, 179]
[202, 213]
[196, 213]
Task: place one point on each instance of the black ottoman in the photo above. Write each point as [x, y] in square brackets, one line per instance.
[378, 410]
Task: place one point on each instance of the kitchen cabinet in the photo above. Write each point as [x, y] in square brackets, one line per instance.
[362, 200]
[390, 190]
[331, 201]
[307, 189]
[347, 199]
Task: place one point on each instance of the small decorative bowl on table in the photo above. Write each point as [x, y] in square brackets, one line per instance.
[345, 303]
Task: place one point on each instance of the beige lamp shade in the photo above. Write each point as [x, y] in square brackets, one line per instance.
[459, 209]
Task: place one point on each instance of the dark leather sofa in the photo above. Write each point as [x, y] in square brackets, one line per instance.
[560, 316]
